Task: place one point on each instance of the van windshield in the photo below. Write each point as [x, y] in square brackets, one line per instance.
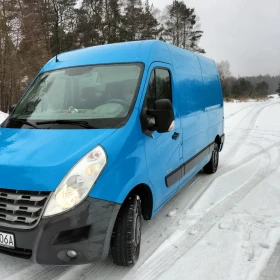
[101, 96]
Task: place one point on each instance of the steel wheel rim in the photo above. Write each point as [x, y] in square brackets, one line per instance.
[137, 233]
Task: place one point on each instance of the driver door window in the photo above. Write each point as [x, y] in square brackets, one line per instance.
[159, 88]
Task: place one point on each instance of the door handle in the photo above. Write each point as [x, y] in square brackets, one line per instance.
[175, 136]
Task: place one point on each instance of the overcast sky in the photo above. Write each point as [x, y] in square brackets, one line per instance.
[244, 32]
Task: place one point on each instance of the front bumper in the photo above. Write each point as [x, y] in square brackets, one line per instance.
[85, 229]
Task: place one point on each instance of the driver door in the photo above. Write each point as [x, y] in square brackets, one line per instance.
[163, 150]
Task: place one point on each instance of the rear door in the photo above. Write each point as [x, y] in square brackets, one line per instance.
[163, 150]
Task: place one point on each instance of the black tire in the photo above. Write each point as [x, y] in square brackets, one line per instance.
[212, 166]
[126, 236]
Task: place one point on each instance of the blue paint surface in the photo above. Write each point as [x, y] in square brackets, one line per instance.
[39, 159]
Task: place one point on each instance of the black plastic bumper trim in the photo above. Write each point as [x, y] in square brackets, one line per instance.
[182, 170]
[42, 245]
[17, 252]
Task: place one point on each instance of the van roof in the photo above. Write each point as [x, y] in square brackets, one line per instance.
[137, 51]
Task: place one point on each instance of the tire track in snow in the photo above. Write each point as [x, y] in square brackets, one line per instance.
[157, 264]
[256, 130]
[225, 169]
[241, 110]
[9, 263]
[272, 269]
[38, 272]
[208, 180]
[106, 270]
[245, 133]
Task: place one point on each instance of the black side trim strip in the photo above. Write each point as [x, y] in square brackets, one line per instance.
[182, 170]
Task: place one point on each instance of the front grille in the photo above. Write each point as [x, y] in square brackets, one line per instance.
[21, 209]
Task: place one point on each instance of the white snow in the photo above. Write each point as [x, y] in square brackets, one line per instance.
[276, 95]
[223, 226]
[172, 213]
[3, 116]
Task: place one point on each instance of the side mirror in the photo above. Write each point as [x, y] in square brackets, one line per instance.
[164, 115]
[12, 108]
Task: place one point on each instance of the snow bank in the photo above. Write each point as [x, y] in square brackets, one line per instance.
[3, 116]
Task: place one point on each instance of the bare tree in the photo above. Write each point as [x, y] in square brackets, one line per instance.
[224, 69]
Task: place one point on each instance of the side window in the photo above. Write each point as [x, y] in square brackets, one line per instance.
[163, 84]
[151, 92]
[159, 87]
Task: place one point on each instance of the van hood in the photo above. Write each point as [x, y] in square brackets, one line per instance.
[38, 160]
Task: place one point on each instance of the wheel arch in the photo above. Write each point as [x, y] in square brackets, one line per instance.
[218, 140]
[146, 197]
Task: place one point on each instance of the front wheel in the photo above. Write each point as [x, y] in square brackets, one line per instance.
[212, 166]
[126, 236]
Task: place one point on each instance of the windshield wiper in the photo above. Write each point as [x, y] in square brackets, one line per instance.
[84, 124]
[23, 122]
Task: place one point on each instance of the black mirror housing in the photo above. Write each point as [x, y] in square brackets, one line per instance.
[164, 115]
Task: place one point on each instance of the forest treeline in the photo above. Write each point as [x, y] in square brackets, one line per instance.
[246, 87]
[32, 31]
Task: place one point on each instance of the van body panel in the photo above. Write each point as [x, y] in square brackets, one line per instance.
[39, 159]
[162, 146]
[33, 160]
[141, 51]
[126, 167]
[208, 66]
[190, 89]
[201, 106]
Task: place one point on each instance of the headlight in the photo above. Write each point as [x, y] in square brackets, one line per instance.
[77, 184]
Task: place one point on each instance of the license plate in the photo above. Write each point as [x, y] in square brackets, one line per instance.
[7, 240]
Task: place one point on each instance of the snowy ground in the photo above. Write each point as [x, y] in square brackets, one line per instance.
[223, 226]
[3, 116]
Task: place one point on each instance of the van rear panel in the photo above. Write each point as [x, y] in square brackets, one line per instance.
[201, 107]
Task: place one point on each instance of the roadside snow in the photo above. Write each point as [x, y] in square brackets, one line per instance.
[172, 213]
[276, 95]
[223, 226]
[241, 204]
[3, 116]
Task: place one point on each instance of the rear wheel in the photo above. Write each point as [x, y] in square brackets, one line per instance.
[126, 237]
[212, 166]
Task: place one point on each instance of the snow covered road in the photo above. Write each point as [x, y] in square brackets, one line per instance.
[223, 226]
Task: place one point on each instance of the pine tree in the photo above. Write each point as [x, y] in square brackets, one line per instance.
[150, 27]
[242, 88]
[112, 21]
[9, 60]
[90, 27]
[132, 20]
[262, 89]
[278, 90]
[33, 31]
[181, 27]
[62, 17]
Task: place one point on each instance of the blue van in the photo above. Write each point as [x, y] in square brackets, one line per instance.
[103, 137]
